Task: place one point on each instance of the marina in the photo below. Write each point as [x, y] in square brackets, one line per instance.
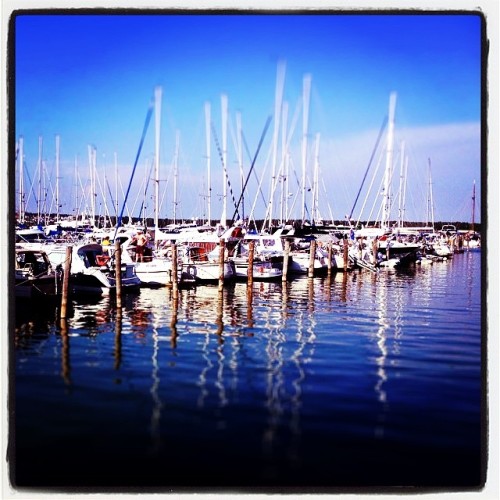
[348, 380]
[244, 272]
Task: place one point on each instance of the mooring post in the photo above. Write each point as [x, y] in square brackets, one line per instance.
[312, 256]
[329, 257]
[375, 250]
[118, 274]
[251, 251]
[173, 277]
[250, 307]
[65, 366]
[65, 288]
[222, 249]
[286, 258]
[346, 254]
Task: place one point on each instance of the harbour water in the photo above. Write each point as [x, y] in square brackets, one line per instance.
[357, 380]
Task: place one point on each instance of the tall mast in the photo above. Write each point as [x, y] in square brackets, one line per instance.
[76, 209]
[91, 152]
[57, 177]
[224, 106]
[116, 185]
[278, 100]
[430, 205]
[239, 136]
[401, 181]
[315, 191]
[158, 95]
[284, 177]
[176, 173]
[40, 148]
[20, 159]
[405, 175]
[306, 90]
[209, 181]
[473, 204]
[386, 207]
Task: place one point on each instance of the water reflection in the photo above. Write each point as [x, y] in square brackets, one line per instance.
[271, 360]
[65, 361]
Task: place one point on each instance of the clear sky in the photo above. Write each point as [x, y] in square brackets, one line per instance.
[90, 80]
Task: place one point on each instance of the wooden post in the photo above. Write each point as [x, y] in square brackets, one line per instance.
[65, 366]
[375, 250]
[251, 251]
[250, 307]
[286, 258]
[175, 284]
[312, 255]
[329, 257]
[65, 288]
[118, 274]
[346, 254]
[222, 248]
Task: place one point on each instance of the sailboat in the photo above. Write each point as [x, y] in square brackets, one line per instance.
[382, 246]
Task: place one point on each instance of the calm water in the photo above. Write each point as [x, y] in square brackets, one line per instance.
[358, 380]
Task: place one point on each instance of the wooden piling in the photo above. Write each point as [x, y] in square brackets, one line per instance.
[286, 258]
[312, 255]
[222, 248]
[174, 275]
[251, 251]
[329, 257]
[375, 250]
[65, 366]
[346, 254]
[118, 274]
[250, 322]
[65, 288]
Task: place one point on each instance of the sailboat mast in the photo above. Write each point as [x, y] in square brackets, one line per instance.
[158, 95]
[284, 177]
[386, 207]
[306, 90]
[21, 179]
[315, 193]
[77, 207]
[57, 177]
[473, 204]
[401, 181]
[176, 172]
[278, 100]
[430, 207]
[239, 133]
[40, 146]
[224, 106]
[116, 185]
[209, 181]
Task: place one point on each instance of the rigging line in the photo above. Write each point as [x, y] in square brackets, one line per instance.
[305, 204]
[224, 167]
[148, 178]
[268, 122]
[382, 128]
[109, 192]
[255, 173]
[146, 125]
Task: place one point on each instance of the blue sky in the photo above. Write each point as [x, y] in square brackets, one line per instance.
[90, 79]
